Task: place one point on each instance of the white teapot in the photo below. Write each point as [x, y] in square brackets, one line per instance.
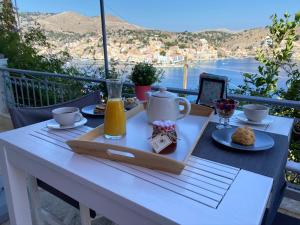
[163, 105]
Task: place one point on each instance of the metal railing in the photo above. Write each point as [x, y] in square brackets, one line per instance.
[32, 92]
[25, 88]
[34, 88]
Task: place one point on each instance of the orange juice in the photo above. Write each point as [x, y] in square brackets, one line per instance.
[115, 118]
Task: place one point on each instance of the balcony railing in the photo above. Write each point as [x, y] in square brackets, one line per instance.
[32, 88]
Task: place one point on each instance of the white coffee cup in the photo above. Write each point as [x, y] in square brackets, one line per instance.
[66, 116]
[255, 112]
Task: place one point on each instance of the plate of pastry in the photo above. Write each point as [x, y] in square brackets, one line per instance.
[243, 138]
[94, 110]
[130, 103]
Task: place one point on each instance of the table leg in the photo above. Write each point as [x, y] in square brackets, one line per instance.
[84, 214]
[35, 201]
[15, 191]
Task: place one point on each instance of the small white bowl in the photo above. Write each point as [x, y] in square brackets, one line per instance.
[255, 112]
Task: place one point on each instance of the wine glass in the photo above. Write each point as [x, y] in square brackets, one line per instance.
[225, 109]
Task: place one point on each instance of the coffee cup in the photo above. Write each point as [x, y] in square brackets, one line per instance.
[255, 112]
[66, 116]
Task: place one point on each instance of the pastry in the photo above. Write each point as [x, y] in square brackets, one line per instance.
[130, 103]
[130, 100]
[99, 108]
[243, 136]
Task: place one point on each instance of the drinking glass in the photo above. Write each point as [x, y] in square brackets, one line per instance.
[115, 117]
[225, 109]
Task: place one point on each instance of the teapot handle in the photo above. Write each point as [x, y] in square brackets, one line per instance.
[187, 107]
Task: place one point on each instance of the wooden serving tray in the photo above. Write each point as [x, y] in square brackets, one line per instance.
[135, 147]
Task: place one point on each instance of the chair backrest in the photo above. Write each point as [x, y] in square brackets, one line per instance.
[211, 87]
[29, 115]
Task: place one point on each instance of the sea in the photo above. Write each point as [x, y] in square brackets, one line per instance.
[173, 75]
[232, 68]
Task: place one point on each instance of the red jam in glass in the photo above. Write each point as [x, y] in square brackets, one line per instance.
[166, 128]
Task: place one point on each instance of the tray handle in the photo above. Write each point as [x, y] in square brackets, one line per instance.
[127, 155]
[117, 154]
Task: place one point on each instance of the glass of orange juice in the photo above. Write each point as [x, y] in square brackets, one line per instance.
[115, 117]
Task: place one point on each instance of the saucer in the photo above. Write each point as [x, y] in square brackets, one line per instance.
[52, 124]
[242, 117]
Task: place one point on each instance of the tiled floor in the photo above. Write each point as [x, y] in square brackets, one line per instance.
[70, 215]
[64, 212]
[290, 207]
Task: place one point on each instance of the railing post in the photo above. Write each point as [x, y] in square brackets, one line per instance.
[5, 120]
[3, 107]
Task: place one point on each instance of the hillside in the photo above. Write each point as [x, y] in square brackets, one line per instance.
[81, 36]
[73, 22]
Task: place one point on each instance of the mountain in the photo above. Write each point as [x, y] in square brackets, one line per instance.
[74, 22]
[81, 36]
[220, 30]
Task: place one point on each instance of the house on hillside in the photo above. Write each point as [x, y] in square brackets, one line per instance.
[204, 44]
[176, 58]
[162, 59]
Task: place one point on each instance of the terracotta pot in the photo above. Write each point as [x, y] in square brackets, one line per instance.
[140, 92]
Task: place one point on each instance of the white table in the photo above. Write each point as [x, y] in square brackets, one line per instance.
[205, 193]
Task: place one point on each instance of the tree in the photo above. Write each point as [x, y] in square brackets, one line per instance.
[163, 53]
[7, 16]
[274, 56]
[22, 48]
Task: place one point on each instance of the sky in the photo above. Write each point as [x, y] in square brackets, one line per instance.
[175, 15]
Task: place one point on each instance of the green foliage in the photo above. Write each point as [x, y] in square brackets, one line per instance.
[116, 71]
[169, 44]
[182, 46]
[293, 93]
[22, 49]
[7, 17]
[276, 55]
[145, 74]
[163, 53]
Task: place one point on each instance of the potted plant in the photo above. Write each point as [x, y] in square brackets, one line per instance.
[143, 75]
